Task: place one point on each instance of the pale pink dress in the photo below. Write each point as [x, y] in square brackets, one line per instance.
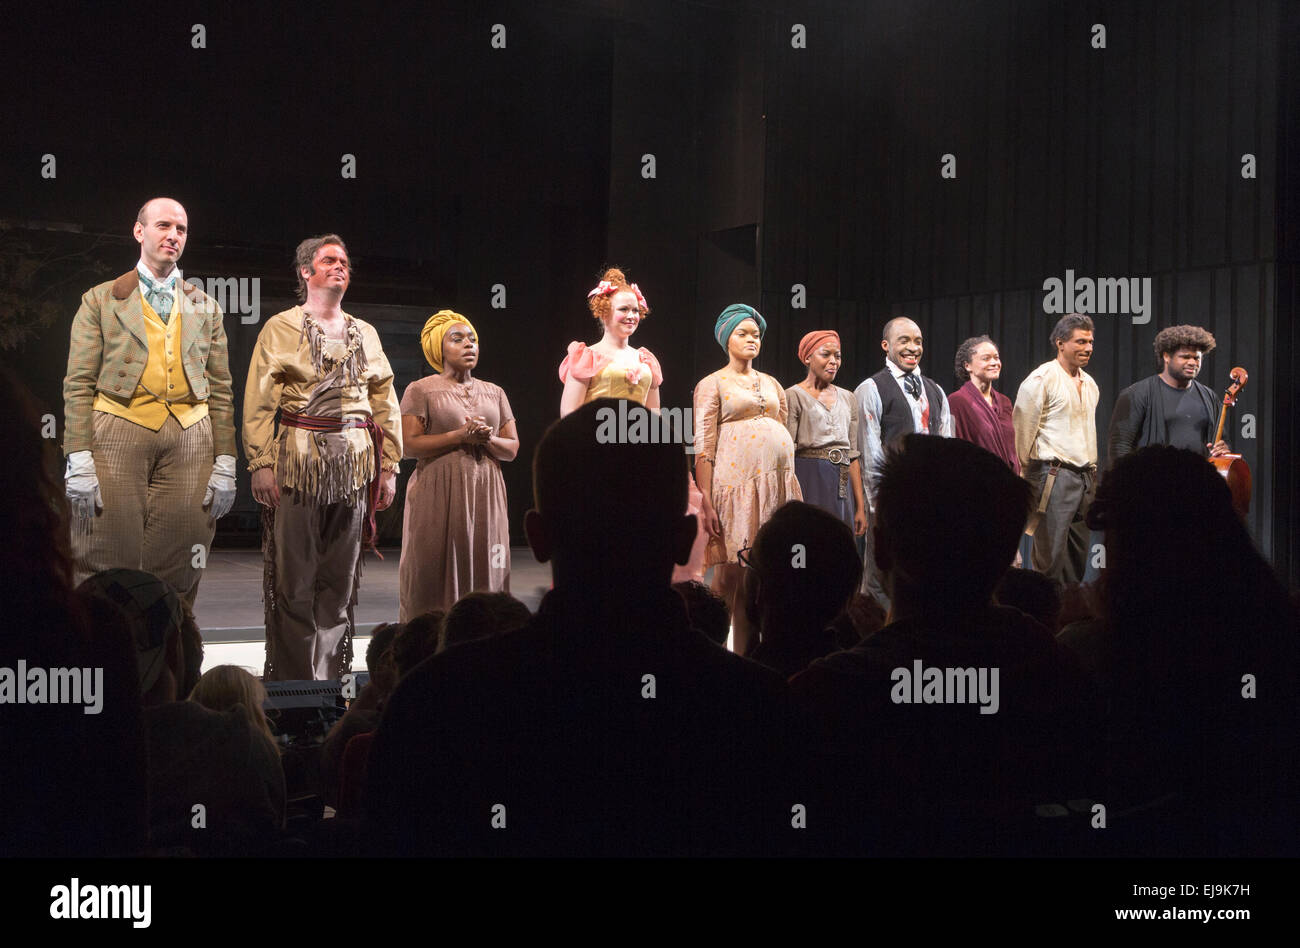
[740, 425]
[606, 380]
[455, 530]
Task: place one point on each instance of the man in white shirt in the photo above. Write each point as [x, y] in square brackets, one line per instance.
[1055, 418]
[896, 401]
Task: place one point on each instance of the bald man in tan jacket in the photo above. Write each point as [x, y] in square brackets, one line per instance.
[149, 428]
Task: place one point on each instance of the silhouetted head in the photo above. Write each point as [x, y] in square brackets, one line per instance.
[379, 658]
[416, 640]
[191, 651]
[225, 687]
[1169, 525]
[35, 557]
[803, 569]
[860, 618]
[948, 520]
[155, 616]
[609, 510]
[1195, 616]
[1034, 594]
[381, 641]
[481, 615]
[708, 610]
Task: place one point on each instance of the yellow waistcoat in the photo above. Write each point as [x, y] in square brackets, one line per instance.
[163, 388]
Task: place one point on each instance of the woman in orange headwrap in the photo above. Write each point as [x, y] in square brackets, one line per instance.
[455, 533]
[823, 421]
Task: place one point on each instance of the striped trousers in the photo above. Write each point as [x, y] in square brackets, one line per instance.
[152, 484]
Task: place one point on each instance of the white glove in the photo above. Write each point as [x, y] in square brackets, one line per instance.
[221, 486]
[82, 485]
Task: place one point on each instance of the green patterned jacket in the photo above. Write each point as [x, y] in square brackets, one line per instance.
[108, 352]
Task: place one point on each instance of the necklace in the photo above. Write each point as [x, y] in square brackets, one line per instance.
[353, 335]
[466, 392]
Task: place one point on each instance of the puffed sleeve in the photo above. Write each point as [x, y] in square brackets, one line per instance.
[582, 363]
[261, 399]
[656, 373]
[708, 411]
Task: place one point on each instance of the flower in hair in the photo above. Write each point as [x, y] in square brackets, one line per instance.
[605, 287]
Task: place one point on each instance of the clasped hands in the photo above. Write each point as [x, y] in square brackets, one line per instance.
[475, 432]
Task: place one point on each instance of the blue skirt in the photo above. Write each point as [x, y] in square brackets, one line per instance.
[819, 479]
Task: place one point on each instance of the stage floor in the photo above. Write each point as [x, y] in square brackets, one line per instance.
[229, 604]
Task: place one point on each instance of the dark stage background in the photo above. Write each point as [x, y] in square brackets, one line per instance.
[774, 166]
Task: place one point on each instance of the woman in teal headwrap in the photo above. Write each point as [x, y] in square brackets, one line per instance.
[744, 460]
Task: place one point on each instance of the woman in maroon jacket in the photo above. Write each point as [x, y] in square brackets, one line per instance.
[980, 414]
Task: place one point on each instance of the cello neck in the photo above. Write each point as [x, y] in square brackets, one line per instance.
[1223, 415]
[1238, 379]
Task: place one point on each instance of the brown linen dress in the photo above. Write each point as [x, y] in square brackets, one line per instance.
[455, 529]
[740, 426]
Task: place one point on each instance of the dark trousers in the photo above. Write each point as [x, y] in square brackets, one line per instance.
[872, 582]
[1062, 536]
[312, 573]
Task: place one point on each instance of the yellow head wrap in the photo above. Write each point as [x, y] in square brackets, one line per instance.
[433, 331]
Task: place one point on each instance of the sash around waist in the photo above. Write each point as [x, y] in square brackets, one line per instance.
[292, 419]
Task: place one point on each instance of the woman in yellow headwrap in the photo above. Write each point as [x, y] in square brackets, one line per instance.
[612, 368]
[455, 532]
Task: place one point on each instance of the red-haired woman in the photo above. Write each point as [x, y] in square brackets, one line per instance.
[612, 368]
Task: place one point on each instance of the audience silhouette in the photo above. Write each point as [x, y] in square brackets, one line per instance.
[612, 723]
[606, 725]
[803, 572]
[907, 770]
[1196, 658]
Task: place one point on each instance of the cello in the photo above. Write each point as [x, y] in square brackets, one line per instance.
[1233, 467]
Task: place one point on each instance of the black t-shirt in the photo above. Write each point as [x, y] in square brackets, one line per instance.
[1187, 425]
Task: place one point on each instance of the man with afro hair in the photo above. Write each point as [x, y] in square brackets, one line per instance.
[1170, 407]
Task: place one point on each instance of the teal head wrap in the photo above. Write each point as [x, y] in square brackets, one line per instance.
[733, 316]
